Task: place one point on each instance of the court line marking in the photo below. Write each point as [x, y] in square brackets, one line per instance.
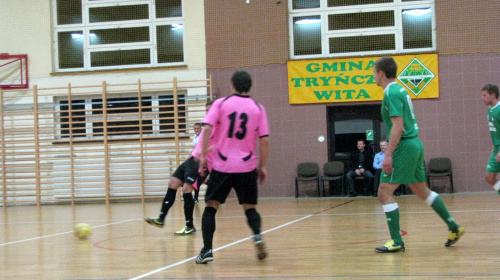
[239, 217]
[60, 233]
[238, 241]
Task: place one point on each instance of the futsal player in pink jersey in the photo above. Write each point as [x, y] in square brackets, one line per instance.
[185, 176]
[241, 125]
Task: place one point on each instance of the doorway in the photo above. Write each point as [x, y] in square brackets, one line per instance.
[347, 124]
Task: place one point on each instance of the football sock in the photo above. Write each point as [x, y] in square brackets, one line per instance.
[253, 219]
[208, 226]
[437, 204]
[392, 214]
[188, 209]
[196, 192]
[496, 187]
[168, 201]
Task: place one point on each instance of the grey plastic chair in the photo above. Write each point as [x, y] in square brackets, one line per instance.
[307, 171]
[333, 171]
[440, 167]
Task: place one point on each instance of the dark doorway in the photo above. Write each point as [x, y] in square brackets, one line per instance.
[347, 124]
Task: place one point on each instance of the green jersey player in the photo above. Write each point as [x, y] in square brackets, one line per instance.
[489, 95]
[404, 158]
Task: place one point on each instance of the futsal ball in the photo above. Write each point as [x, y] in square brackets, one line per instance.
[82, 230]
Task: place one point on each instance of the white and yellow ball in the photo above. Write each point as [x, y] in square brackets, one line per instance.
[82, 230]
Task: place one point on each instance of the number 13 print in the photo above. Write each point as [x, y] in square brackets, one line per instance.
[242, 130]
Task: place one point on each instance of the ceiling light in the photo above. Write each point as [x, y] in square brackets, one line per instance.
[417, 12]
[176, 26]
[308, 21]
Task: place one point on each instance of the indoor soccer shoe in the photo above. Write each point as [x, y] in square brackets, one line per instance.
[185, 231]
[454, 235]
[391, 247]
[260, 247]
[205, 257]
[154, 221]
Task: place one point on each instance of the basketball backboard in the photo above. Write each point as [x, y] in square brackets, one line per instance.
[13, 71]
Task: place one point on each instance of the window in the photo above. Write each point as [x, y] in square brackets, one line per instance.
[113, 34]
[126, 116]
[334, 28]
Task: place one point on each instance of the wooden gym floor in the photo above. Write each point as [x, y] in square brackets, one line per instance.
[309, 238]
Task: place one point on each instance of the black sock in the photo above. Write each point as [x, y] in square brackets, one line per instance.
[168, 201]
[188, 209]
[208, 226]
[196, 192]
[253, 219]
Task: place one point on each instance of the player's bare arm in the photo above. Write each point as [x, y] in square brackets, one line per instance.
[207, 132]
[263, 153]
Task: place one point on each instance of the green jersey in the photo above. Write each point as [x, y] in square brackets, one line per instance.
[494, 123]
[397, 103]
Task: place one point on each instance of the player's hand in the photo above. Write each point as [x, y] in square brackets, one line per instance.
[387, 164]
[202, 166]
[497, 157]
[262, 175]
[202, 172]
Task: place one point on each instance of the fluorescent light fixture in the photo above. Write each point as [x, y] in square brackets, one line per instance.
[417, 12]
[78, 36]
[308, 21]
[177, 26]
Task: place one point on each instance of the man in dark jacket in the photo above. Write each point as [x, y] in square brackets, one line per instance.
[359, 164]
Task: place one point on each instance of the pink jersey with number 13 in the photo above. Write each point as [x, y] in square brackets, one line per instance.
[239, 121]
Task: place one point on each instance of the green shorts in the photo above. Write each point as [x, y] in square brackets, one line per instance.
[493, 166]
[408, 163]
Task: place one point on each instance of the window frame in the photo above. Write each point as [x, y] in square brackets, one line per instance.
[90, 119]
[323, 11]
[85, 27]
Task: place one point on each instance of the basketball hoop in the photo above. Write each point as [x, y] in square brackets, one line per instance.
[13, 71]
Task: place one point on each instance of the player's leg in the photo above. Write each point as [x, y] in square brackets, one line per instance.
[491, 178]
[202, 179]
[391, 210]
[187, 194]
[404, 162]
[436, 203]
[492, 169]
[246, 189]
[190, 167]
[166, 204]
[218, 188]
[420, 188]
[196, 193]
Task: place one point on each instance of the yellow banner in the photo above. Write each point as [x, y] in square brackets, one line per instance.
[351, 79]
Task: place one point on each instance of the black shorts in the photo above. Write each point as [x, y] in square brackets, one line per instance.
[220, 184]
[188, 171]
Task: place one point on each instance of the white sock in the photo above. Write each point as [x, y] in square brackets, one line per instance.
[430, 199]
[496, 186]
[390, 207]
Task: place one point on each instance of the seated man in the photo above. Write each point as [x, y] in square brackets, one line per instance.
[377, 166]
[359, 162]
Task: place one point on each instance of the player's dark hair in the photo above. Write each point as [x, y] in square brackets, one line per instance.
[242, 81]
[387, 65]
[491, 89]
[197, 124]
[361, 140]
